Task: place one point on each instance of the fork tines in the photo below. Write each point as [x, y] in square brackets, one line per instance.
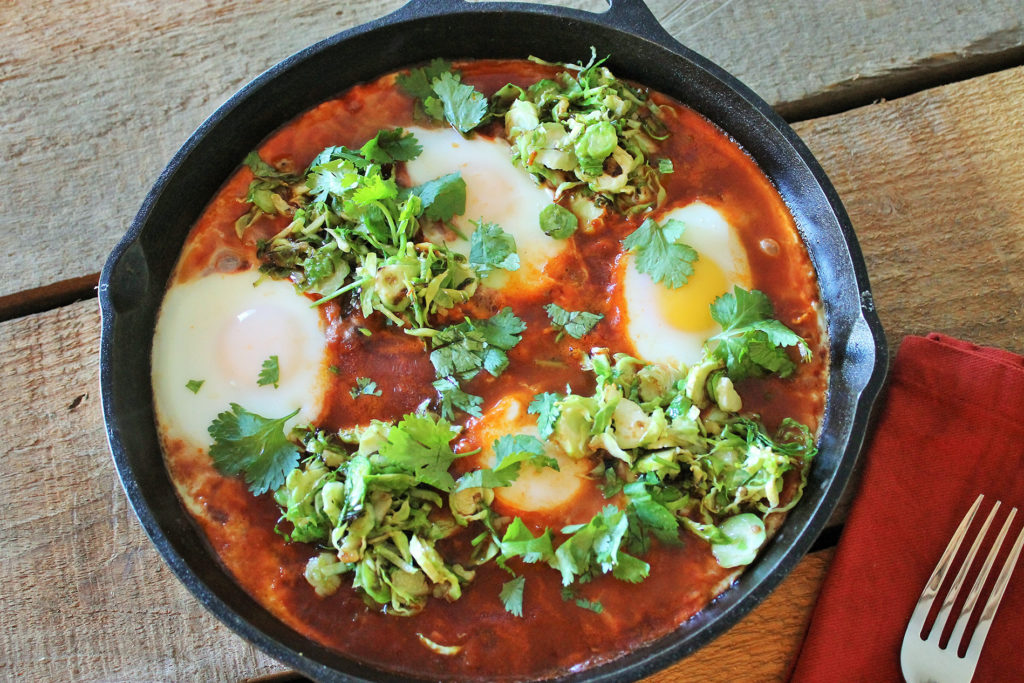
[926, 601]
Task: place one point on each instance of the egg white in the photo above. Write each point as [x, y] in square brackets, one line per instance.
[496, 191]
[535, 489]
[672, 324]
[219, 329]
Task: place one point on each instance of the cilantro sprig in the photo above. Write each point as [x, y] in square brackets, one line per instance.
[461, 351]
[752, 342]
[441, 95]
[511, 452]
[546, 407]
[659, 253]
[270, 372]
[364, 387]
[490, 248]
[576, 324]
[254, 446]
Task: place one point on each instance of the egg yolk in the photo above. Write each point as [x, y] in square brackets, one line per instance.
[688, 308]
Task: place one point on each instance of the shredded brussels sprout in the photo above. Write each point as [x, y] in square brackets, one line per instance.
[587, 131]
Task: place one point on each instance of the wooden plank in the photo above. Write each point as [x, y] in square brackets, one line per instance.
[934, 185]
[90, 114]
[764, 644]
[803, 55]
[85, 595]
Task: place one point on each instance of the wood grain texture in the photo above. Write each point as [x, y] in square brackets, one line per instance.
[801, 53]
[85, 595]
[90, 113]
[765, 643]
[934, 185]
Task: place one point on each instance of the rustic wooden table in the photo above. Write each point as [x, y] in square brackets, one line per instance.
[913, 107]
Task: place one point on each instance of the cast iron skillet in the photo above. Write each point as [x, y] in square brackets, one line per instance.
[133, 281]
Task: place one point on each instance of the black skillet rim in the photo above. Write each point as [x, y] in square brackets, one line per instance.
[129, 270]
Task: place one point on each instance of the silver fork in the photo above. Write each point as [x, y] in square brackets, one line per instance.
[921, 658]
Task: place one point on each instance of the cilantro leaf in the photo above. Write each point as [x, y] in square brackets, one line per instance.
[512, 595]
[491, 247]
[194, 385]
[650, 514]
[510, 452]
[473, 345]
[270, 373]
[594, 606]
[752, 343]
[596, 547]
[547, 408]
[254, 446]
[502, 329]
[461, 351]
[262, 169]
[364, 387]
[453, 397]
[444, 197]
[660, 254]
[421, 446]
[418, 81]
[388, 146]
[519, 542]
[574, 323]
[465, 107]
[374, 188]
[339, 153]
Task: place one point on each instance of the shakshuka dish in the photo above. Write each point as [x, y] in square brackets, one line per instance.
[491, 369]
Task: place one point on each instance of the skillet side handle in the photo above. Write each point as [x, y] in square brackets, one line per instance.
[630, 16]
[634, 16]
[420, 9]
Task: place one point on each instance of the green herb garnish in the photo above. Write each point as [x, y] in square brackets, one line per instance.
[254, 446]
[752, 343]
[270, 373]
[441, 95]
[490, 247]
[194, 385]
[659, 253]
[463, 350]
[512, 595]
[573, 323]
[364, 387]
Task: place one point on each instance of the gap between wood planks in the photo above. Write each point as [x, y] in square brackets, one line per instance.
[855, 92]
[843, 97]
[56, 295]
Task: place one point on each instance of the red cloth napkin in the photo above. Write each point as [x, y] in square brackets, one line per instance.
[952, 426]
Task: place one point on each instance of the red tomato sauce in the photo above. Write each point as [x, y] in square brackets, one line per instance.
[553, 636]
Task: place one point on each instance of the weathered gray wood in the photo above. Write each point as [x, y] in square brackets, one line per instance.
[96, 96]
[85, 596]
[802, 54]
[934, 184]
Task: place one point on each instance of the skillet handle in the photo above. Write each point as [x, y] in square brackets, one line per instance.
[634, 16]
[631, 16]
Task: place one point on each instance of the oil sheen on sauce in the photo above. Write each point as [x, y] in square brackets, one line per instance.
[553, 636]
